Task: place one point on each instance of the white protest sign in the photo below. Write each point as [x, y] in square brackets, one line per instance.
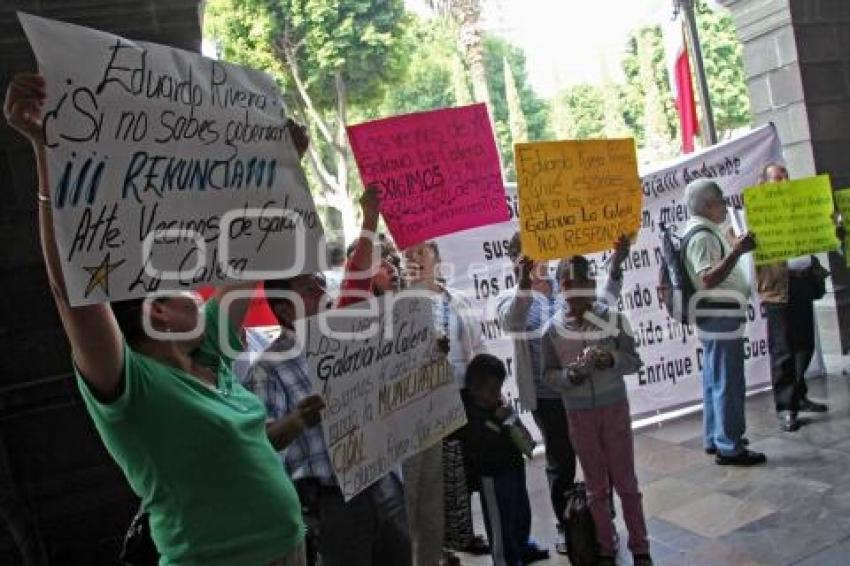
[387, 398]
[477, 264]
[167, 170]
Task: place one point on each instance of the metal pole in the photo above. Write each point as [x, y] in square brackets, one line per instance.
[702, 83]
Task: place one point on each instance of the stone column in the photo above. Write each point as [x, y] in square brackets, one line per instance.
[62, 500]
[797, 61]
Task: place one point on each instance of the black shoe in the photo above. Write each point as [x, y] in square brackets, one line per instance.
[789, 422]
[561, 543]
[478, 546]
[745, 458]
[642, 560]
[809, 406]
[606, 561]
[534, 553]
[711, 451]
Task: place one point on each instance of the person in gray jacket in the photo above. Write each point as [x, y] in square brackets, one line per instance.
[523, 312]
[588, 348]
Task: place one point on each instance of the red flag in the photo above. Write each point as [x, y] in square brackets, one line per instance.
[681, 83]
[259, 312]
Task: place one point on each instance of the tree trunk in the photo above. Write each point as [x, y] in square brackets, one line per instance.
[657, 143]
[343, 200]
[467, 13]
[334, 185]
[516, 117]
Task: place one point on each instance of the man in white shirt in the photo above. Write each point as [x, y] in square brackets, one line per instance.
[722, 290]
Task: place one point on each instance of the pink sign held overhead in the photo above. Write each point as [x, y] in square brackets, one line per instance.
[436, 172]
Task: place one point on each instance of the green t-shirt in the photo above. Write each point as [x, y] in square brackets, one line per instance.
[200, 460]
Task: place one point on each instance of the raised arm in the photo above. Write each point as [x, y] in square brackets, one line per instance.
[362, 260]
[513, 308]
[237, 308]
[357, 281]
[96, 341]
[614, 268]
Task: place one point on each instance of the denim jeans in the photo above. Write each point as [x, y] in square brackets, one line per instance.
[723, 385]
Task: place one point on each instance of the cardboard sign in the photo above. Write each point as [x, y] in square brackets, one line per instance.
[167, 170]
[791, 219]
[576, 197]
[436, 172]
[387, 395]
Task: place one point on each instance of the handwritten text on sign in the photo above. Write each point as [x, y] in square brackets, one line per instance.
[791, 219]
[576, 197]
[387, 398]
[842, 203]
[436, 172]
[167, 170]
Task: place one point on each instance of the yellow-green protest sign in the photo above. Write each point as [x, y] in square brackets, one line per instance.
[576, 197]
[842, 203]
[791, 219]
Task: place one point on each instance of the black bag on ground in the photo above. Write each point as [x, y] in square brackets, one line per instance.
[579, 530]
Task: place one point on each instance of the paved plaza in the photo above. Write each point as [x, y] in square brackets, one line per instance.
[794, 510]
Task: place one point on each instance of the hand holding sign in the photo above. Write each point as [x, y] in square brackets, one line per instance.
[166, 170]
[790, 219]
[436, 172]
[576, 197]
[310, 410]
[22, 108]
[744, 244]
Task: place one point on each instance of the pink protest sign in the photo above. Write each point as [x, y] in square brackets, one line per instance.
[436, 172]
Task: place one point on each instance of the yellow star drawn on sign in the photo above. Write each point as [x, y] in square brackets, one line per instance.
[100, 275]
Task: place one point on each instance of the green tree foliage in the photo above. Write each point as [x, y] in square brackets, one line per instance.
[516, 117]
[433, 76]
[496, 51]
[724, 66]
[658, 142]
[328, 54]
[722, 55]
[580, 111]
[636, 90]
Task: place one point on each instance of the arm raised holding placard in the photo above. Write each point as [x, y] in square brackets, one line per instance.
[92, 329]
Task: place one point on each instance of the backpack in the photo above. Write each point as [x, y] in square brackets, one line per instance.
[579, 529]
[675, 286]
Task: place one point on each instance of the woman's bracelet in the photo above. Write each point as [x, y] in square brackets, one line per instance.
[43, 198]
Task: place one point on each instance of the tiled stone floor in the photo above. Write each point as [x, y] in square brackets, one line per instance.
[794, 510]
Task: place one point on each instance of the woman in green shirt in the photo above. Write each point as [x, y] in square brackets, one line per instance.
[192, 442]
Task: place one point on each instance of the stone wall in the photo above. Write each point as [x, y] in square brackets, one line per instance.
[61, 497]
[797, 61]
